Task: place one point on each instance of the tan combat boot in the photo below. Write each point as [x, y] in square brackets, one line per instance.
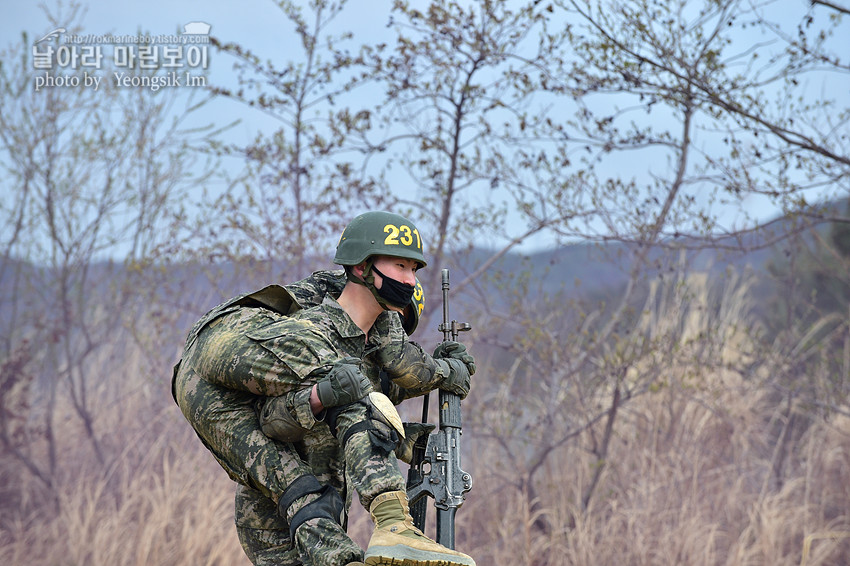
[397, 542]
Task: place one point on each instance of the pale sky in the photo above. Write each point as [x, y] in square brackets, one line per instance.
[257, 24]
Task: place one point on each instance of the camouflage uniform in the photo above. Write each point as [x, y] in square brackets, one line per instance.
[262, 344]
[397, 366]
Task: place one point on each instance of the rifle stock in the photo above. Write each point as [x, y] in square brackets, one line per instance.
[435, 467]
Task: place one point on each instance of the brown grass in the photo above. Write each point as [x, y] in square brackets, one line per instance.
[172, 507]
[690, 479]
[671, 505]
[694, 498]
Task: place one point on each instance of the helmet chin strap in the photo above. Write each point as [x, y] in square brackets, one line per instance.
[368, 281]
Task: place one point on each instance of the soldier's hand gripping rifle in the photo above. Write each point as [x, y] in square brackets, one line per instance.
[435, 467]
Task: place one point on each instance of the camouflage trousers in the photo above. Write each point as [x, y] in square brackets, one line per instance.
[214, 388]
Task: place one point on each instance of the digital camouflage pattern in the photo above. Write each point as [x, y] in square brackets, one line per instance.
[224, 418]
[242, 352]
[411, 370]
[265, 344]
[312, 290]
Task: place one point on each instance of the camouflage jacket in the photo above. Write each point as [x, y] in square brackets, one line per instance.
[397, 366]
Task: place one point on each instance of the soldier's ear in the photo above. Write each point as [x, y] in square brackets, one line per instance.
[360, 269]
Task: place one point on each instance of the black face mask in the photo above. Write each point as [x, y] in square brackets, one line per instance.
[394, 292]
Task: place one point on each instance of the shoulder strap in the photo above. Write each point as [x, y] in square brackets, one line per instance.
[273, 297]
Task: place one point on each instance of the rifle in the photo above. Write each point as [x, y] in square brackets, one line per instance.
[435, 466]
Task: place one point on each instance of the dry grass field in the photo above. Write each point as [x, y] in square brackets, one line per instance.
[692, 491]
[694, 476]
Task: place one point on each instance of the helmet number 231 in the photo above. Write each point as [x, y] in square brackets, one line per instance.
[403, 235]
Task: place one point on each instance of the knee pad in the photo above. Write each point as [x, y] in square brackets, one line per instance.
[276, 422]
[329, 505]
[383, 423]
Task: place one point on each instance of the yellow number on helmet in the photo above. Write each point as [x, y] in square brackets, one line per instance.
[362, 239]
[392, 239]
[406, 236]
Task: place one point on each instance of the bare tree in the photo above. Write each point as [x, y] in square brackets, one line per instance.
[664, 118]
[459, 121]
[301, 174]
[696, 94]
[766, 125]
[89, 175]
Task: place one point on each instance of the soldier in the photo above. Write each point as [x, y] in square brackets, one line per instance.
[301, 367]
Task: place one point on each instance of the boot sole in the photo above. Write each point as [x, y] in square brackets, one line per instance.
[406, 556]
[389, 561]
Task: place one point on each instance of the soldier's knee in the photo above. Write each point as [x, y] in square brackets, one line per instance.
[276, 421]
[329, 504]
[381, 422]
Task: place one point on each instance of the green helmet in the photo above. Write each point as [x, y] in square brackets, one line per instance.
[379, 233]
[410, 316]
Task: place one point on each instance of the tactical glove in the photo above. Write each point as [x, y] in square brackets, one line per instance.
[457, 351]
[343, 384]
[457, 365]
[455, 377]
[412, 432]
[276, 420]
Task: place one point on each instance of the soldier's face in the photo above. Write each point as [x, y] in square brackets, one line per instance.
[401, 269]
